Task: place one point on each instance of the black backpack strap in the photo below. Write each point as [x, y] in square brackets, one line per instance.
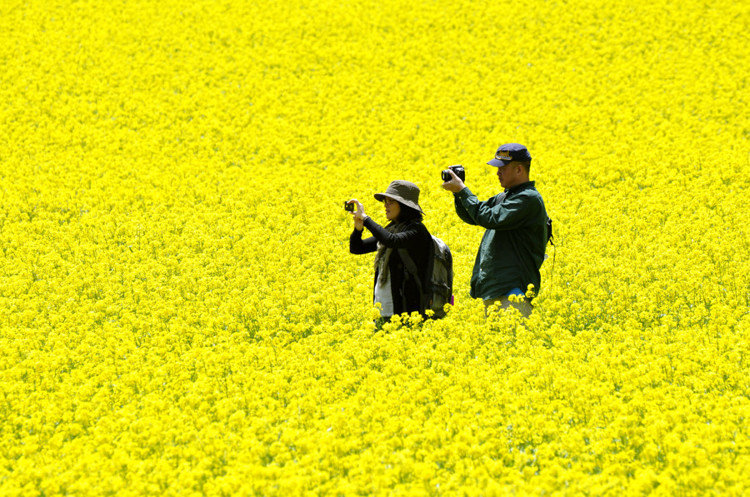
[551, 241]
[449, 263]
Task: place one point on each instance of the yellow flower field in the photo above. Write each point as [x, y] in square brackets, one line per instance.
[179, 311]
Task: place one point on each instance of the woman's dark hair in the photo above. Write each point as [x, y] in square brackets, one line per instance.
[409, 214]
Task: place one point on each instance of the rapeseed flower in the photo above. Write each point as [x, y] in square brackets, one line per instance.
[179, 310]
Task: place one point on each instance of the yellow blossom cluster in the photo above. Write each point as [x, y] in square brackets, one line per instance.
[179, 311]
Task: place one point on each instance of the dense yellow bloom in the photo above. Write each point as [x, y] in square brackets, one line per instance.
[179, 312]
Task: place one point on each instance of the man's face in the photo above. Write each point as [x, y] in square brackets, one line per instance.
[509, 175]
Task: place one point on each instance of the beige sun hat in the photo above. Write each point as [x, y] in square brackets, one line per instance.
[404, 192]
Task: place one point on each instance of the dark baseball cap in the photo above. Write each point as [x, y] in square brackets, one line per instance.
[510, 152]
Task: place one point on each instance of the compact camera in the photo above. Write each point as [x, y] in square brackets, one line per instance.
[458, 170]
[349, 206]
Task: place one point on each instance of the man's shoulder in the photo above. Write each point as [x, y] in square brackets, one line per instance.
[530, 198]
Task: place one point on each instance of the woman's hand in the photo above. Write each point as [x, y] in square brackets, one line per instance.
[358, 215]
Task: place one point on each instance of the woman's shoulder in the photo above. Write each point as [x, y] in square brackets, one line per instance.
[415, 224]
[421, 229]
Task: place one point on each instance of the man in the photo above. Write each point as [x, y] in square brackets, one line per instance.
[512, 249]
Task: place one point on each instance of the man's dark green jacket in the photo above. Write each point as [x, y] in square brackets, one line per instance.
[512, 249]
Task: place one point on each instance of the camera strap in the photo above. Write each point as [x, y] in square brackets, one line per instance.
[551, 241]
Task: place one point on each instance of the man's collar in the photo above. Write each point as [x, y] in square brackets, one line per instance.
[518, 188]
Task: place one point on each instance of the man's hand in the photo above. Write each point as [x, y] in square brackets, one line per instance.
[455, 185]
[358, 215]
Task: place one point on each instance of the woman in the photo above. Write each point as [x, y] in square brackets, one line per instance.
[403, 240]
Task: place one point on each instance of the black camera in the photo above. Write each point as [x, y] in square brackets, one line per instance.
[349, 206]
[458, 170]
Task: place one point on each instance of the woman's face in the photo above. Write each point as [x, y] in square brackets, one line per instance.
[392, 209]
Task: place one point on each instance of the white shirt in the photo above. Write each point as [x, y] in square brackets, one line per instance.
[385, 297]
